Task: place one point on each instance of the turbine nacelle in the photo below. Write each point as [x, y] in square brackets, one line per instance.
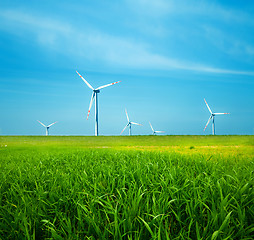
[95, 97]
[212, 117]
[129, 124]
[47, 127]
[154, 132]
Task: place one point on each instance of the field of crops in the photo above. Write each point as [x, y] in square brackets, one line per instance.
[139, 187]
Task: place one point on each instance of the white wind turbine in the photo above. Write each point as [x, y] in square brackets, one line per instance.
[94, 96]
[47, 127]
[154, 132]
[129, 124]
[212, 117]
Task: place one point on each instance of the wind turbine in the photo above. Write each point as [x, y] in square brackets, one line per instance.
[129, 124]
[95, 96]
[47, 127]
[154, 132]
[212, 117]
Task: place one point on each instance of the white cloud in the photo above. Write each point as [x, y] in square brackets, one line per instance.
[31, 21]
[160, 8]
[47, 30]
[232, 45]
[95, 45]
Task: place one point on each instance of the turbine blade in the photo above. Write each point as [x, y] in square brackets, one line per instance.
[136, 123]
[107, 85]
[159, 131]
[220, 113]
[208, 107]
[87, 83]
[151, 126]
[124, 128]
[208, 121]
[127, 115]
[91, 103]
[41, 123]
[51, 124]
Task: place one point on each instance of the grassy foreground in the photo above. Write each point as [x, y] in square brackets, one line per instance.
[142, 187]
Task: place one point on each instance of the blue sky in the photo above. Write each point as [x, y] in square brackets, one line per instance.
[168, 55]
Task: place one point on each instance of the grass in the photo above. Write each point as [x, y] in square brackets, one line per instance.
[143, 187]
[236, 145]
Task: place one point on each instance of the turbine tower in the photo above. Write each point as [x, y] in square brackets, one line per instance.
[154, 132]
[212, 117]
[129, 124]
[95, 96]
[47, 127]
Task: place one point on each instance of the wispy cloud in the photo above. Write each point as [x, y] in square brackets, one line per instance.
[210, 9]
[47, 30]
[96, 45]
[235, 46]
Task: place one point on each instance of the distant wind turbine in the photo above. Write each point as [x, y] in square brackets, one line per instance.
[94, 96]
[47, 127]
[154, 132]
[212, 117]
[129, 124]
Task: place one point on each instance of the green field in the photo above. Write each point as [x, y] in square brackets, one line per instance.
[139, 187]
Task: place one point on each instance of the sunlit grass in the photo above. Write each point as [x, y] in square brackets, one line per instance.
[201, 144]
[54, 188]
